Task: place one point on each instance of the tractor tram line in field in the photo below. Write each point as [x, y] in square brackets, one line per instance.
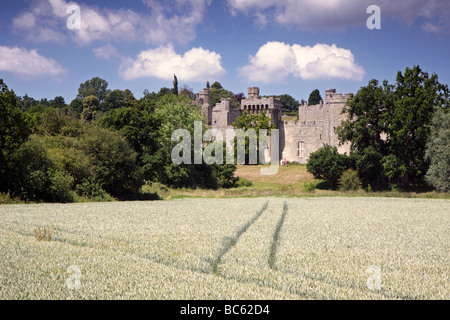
[229, 242]
[276, 238]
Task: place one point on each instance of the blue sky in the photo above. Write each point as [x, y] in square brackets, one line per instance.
[283, 46]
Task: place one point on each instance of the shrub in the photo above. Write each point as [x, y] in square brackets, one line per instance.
[327, 164]
[242, 182]
[61, 187]
[89, 189]
[35, 176]
[310, 186]
[349, 181]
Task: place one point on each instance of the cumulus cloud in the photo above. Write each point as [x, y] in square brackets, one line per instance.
[163, 62]
[106, 52]
[167, 21]
[24, 63]
[275, 61]
[322, 14]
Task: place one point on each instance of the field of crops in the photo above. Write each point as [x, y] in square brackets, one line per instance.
[259, 248]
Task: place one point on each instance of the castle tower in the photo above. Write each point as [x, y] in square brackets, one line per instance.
[203, 99]
[253, 93]
[271, 107]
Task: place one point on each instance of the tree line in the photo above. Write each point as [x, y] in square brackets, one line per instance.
[399, 135]
[105, 144]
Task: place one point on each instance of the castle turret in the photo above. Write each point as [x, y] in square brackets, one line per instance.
[203, 99]
[253, 93]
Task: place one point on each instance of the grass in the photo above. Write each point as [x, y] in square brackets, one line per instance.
[321, 248]
[292, 181]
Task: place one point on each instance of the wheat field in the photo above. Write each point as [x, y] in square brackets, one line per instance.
[234, 249]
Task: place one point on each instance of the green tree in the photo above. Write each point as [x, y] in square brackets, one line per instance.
[187, 92]
[113, 160]
[91, 106]
[137, 124]
[217, 93]
[175, 85]
[95, 87]
[389, 128]
[289, 104]
[207, 85]
[216, 85]
[314, 98]
[58, 103]
[416, 94]
[368, 113]
[34, 176]
[27, 102]
[114, 100]
[14, 131]
[327, 164]
[438, 151]
[129, 97]
[53, 120]
[76, 105]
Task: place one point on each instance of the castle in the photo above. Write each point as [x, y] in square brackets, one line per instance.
[315, 127]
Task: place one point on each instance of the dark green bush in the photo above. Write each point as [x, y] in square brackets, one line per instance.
[327, 164]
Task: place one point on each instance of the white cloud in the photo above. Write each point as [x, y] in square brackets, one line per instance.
[106, 52]
[163, 62]
[323, 14]
[24, 63]
[167, 21]
[275, 61]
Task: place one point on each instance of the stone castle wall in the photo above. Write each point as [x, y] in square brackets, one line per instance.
[298, 139]
[315, 128]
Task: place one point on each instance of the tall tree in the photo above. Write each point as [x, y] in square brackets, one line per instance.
[438, 151]
[416, 95]
[95, 87]
[289, 104]
[216, 85]
[14, 130]
[314, 98]
[389, 128]
[114, 100]
[217, 93]
[58, 103]
[368, 112]
[175, 85]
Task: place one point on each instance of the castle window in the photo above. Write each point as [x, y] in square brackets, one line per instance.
[300, 149]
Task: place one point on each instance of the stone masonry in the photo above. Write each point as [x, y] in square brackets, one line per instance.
[298, 139]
